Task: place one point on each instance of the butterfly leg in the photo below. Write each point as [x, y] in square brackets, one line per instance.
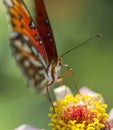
[67, 73]
[48, 95]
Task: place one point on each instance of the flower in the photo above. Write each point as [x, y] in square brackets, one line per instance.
[27, 127]
[109, 124]
[84, 111]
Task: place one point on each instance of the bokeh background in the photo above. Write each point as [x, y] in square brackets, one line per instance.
[73, 21]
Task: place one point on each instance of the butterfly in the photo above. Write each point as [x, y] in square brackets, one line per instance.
[33, 44]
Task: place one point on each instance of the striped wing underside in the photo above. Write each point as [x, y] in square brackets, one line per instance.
[27, 45]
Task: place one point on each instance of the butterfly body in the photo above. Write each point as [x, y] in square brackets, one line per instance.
[33, 44]
[33, 65]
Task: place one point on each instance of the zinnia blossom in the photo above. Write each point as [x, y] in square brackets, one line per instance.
[84, 111]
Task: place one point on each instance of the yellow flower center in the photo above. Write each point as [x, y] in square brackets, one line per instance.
[79, 113]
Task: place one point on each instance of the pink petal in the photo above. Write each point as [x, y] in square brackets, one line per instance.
[27, 127]
[110, 121]
[61, 92]
[110, 115]
[86, 91]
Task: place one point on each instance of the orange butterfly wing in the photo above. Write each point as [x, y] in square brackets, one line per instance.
[27, 45]
[23, 23]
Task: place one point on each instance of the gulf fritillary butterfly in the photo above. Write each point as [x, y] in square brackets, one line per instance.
[33, 44]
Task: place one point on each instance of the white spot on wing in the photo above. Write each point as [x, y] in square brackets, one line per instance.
[18, 56]
[45, 74]
[13, 34]
[42, 61]
[26, 63]
[31, 72]
[26, 48]
[26, 38]
[34, 50]
[18, 44]
[40, 42]
[36, 63]
[32, 25]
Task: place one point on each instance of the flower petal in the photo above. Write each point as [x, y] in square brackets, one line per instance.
[110, 115]
[86, 91]
[61, 92]
[109, 124]
[78, 112]
[27, 127]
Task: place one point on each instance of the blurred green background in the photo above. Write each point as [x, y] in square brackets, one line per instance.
[73, 21]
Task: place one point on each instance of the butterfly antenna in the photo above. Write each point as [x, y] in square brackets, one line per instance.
[83, 43]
